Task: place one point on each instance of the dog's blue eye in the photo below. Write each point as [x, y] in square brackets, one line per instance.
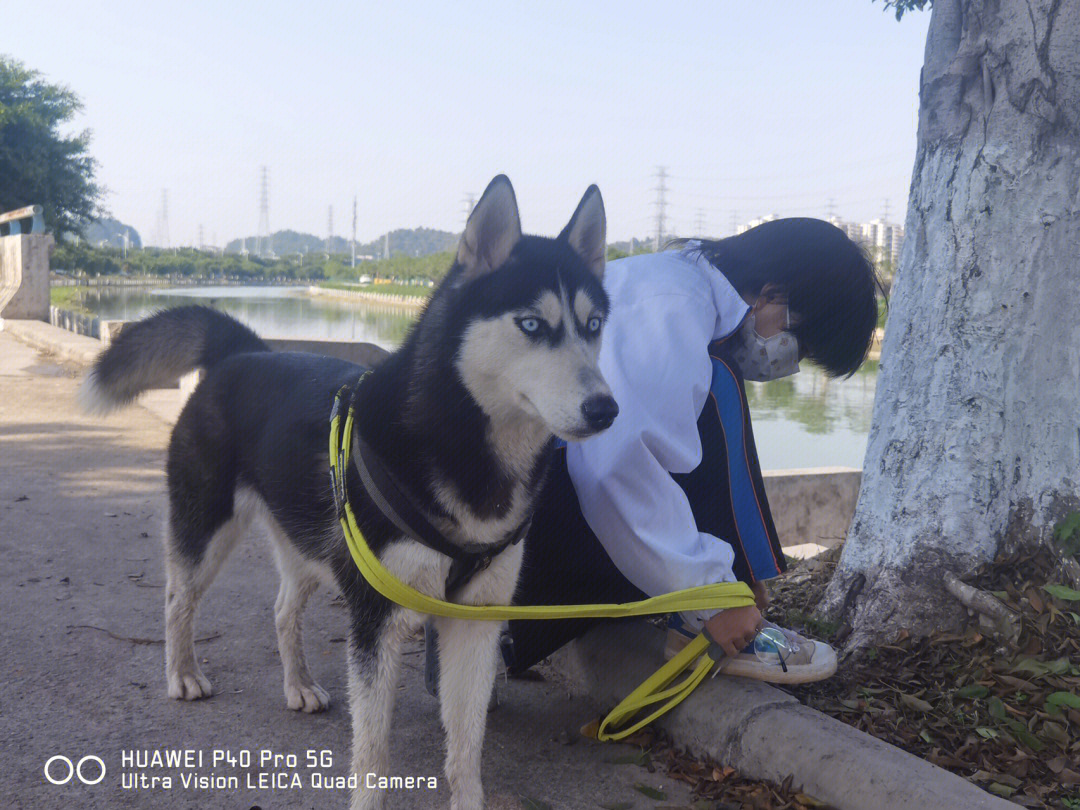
[529, 325]
[593, 325]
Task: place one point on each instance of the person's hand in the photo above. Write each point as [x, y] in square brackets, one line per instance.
[761, 595]
[735, 628]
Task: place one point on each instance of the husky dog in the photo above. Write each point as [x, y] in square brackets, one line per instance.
[462, 416]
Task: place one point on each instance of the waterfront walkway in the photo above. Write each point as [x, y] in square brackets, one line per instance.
[81, 510]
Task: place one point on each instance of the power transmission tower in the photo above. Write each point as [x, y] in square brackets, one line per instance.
[354, 231]
[830, 208]
[201, 240]
[163, 220]
[661, 204]
[329, 229]
[469, 202]
[885, 215]
[262, 244]
[699, 224]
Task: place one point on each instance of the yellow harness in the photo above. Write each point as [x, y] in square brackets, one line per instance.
[656, 689]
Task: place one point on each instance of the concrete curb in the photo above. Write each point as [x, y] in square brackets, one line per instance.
[42, 335]
[765, 733]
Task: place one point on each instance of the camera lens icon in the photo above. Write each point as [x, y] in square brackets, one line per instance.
[58, 764]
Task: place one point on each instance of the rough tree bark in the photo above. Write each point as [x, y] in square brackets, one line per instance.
[974, 446]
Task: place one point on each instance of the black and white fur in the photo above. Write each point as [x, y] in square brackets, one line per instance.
[503, 358]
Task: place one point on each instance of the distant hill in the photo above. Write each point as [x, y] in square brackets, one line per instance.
[628, 247]
[285, 242]
[111, 232]
[402, 242]
[413, 242]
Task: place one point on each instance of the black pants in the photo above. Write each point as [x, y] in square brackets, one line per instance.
[565, 564]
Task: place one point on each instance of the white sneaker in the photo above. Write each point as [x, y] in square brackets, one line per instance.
[808, 660]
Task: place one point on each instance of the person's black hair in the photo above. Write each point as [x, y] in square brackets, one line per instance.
[829, 281]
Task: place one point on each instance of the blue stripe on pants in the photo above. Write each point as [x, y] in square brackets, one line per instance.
[753, 536]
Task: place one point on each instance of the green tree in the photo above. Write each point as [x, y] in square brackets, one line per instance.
[906, 5]
[38, 163]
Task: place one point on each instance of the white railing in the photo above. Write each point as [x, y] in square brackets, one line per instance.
[13, 220]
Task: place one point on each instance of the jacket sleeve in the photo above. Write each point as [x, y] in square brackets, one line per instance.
[655, 358]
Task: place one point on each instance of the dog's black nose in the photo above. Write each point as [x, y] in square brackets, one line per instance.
[600, 411]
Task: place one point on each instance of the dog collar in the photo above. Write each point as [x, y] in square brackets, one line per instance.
[397, 506]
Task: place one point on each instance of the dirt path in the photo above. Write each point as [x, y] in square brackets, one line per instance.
[81, 508]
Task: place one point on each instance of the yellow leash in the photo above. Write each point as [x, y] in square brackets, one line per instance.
[655, 690]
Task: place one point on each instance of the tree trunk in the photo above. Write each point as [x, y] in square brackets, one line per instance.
[975, 440]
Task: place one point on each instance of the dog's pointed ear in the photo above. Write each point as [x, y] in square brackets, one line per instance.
[587, 231]
[493, 229]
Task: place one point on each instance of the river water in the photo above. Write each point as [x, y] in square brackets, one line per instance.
[806, 420]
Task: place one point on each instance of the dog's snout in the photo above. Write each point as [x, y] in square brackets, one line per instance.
[600, 411]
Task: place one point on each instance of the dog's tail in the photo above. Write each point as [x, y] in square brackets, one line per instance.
[157, 351]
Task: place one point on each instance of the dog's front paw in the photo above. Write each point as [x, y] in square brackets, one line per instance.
[190, 685]
[472, 799]
[306, 697]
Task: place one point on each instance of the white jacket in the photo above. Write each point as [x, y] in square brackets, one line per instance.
[665, 310]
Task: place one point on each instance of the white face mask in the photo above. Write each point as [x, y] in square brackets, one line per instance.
[762, 359]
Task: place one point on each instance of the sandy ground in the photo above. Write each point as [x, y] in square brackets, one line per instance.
[81, 660]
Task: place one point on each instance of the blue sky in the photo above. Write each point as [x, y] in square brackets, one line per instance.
[753, 108]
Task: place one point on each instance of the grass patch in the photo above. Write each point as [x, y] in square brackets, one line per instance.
[70, 298]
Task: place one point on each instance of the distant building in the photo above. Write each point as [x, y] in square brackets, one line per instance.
[852, 229]
[755, 222]
[884, 240]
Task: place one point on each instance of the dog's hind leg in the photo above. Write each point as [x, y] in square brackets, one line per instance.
[193, 556]
[467, 666]
[374, 669]
[298, 582]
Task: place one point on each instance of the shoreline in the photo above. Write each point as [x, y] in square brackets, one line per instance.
[56, 280]
[415, 302]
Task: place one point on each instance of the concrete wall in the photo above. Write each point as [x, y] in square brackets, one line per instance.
[24, 276]
[812, 506]
[364, 354]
